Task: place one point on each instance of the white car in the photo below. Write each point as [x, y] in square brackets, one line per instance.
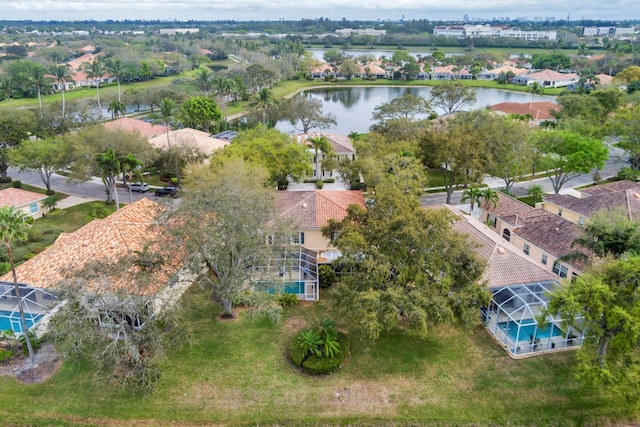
[140, 187]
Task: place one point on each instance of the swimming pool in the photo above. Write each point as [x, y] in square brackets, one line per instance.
[9, 322]
[526, 331]
[288, 288]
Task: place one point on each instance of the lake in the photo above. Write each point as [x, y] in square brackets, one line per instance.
[353, 107]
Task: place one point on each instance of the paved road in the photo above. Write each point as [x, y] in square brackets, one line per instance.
[611, 168]
[90, 190]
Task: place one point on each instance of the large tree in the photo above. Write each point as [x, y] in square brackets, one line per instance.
[14, 127]
[95, 71]
[625, 125]
[458, 148]
[108, 167]
[200, 113]
[13, 225]
[282, 156]
[611, 233]
[569, 154]
[44, 156]
[407, 268]
[452, 96]
[607, 300]
[224, 220]
[306, 114]
[403, 110]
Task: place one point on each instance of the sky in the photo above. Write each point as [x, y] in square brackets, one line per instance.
[251, 10]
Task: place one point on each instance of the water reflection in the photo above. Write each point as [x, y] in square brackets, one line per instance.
[353, 107]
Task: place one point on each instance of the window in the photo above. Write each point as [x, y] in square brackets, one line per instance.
[574, 276]
[526, 249]
[33, 208]
[298, 239]
[506, 234]
[581, 220]
[492, 220]
[559, 269]
[544, 259]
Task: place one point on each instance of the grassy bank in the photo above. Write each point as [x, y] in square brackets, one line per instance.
[236, 373]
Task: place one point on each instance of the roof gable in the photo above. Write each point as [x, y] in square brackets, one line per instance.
[17, 197]
[314, 209]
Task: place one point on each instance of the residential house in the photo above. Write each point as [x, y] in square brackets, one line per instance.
[26, 201]
[578, 210]
[539, 111]
[546, 78]
[520, 288]
[540, 234]
[450, 72]
[203, 141]
[144, 129]
[493, 74]
[341, 148]
[131, 229]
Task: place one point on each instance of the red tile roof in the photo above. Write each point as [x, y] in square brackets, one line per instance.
[537, 110]
[17, 197]
[123, 232]
[625, 194]
[314, 209]
[146, 130]
[341, 144]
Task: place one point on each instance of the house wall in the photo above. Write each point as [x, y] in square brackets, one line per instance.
[571, 216]
[27, 209]
[314, 240]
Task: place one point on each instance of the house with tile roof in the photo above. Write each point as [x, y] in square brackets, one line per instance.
[133, 228]
[496, 72]
[450, 72]
[203, 141]
[539, 111]
[26, 201]
[618, 194]
[547, 78]
[309, 211]
[144, 129]
[539, 234]
[341, 148]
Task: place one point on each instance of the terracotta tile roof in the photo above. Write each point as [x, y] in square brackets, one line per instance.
[605, 79]
[508, 67]
[538, 110]
[551, 233]
[17, 197]
[146, 130]
[314, 209]
[625, 194]
[123, 232]
[190, 137]
[506, 264]
[341, 144]
[508, 207]
[77, 63]
[551, 75]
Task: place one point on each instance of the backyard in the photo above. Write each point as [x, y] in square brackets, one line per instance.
[237, 373]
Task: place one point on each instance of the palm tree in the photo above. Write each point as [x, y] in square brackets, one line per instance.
[128, 165]
[203, 80]
[62, 76]
[109, 166]
[224, 87]
[39, 80]
[354, 136]
[319, 143]
[535, 89]
[167, 108]
[536, 191]
[13, 225]
[95, 71]
[473, 195]
[490, 198]
[6, 88]
[261, 101]
[116, 68]
[117, 108]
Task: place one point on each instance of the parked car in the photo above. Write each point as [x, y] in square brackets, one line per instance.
[140, 187]
[167, 191]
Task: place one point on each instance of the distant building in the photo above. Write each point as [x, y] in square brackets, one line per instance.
[606, 31]
[346, 32]
[478, 31]
[174, 31]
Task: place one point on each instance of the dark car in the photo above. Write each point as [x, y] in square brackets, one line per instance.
[140, 187]
[167, 191]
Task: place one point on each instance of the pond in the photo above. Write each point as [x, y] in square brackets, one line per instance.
[353, 107]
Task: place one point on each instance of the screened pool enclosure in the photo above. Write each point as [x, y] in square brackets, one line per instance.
[35, 302]
[512, 318]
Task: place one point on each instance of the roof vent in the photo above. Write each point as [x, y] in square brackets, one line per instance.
[85, 243]
[304, 206]
[636, 195]
[557, 228]
[501, 250]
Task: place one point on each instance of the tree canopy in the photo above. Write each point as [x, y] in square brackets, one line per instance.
[452, 96]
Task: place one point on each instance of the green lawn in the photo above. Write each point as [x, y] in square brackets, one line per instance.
[236, 373]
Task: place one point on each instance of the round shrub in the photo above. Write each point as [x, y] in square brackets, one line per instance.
[16, 184]
[326, 275]
[287, 300]
[318, 365]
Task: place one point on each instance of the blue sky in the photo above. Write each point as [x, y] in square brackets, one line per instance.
[38, 10]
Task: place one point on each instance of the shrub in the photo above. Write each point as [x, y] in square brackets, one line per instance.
[297, 354]
[327, 276]
[287, 300]
[29, 220]
[16, 184]
[628, 174]
[28, 255]
[36, 343]
[318, 365]
[310, 180]
[6, 355]
[5, 180]
[329, 180]
[319, 185]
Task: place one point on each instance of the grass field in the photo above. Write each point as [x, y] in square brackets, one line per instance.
[236, 373]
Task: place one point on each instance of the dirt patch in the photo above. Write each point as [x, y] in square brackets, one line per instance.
[295, 324]
[47, 363]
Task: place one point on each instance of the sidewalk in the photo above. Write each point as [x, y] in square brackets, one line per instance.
[70, 201]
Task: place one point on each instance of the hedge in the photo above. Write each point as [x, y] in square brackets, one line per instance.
[296, 354]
